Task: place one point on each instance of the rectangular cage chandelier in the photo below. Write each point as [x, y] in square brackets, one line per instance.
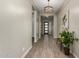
[48, 9]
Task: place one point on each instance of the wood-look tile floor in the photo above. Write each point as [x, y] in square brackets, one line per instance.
[46, 48]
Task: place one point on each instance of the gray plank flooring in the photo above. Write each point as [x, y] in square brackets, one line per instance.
[46, 48]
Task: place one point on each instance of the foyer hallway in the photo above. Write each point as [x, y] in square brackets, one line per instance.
[22, 20]
[46, 48]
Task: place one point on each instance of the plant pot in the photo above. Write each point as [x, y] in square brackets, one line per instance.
[66, 51]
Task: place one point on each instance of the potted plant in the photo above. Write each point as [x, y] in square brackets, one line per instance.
[67, 39]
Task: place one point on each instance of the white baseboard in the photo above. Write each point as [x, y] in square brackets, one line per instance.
[35, 41]
[27, 51]
[75, 55]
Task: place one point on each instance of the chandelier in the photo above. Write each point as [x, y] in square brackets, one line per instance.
[48, 9]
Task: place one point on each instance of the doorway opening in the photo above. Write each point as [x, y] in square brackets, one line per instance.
[47, 24]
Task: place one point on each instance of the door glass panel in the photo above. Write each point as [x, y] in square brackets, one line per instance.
[46, 31]
[46, 27]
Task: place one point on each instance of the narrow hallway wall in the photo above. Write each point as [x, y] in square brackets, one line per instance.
[73, 7]
[15, 27]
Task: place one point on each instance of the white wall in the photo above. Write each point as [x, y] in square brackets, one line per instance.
[36, 26]
[15, 27]
[35, 30]
[33, 24]
[55, 26]
[50, 31]
[39, 27]
[73, 7]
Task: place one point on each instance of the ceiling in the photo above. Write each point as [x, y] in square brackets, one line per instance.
[40, 4]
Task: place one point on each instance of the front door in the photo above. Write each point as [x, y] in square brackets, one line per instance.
[46, 27]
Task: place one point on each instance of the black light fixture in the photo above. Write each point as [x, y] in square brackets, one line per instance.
[48, 0]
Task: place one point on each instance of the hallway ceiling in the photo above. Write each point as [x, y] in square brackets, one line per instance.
[40, 4]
